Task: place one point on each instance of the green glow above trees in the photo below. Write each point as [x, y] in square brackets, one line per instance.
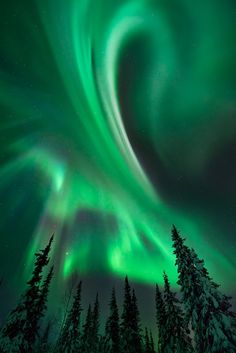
[67, 125]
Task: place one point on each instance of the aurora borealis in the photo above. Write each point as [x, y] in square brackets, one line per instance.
[118, 119]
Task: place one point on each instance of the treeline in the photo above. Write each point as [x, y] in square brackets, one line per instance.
[201, 321]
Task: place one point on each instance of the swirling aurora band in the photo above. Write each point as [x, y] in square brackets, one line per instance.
[100, 100]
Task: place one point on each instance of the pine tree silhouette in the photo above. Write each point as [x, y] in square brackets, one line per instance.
[137, 338]
[42, 303]
[151, 343]
[207, 309]
[95, 327]
[112, 325]
[148, 342]
[147, 345]
[126, 320]
[18, 335]
[43, 341]
[86, 338]
[177, 338]
[130, 326]
[160, 320]
[69, 341]
[104, 345]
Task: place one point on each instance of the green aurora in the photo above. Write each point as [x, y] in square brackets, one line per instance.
[118, 120]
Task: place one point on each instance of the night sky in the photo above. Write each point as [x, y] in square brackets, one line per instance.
[117, 120]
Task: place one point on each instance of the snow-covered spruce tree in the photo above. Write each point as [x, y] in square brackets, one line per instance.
[19, 333]
[44, 290]
[177, 339]
[42, 343]
[69, 339]
[209, 310]
[160, 320]
[112, 330]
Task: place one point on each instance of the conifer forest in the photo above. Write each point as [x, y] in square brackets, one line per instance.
[198, 320]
